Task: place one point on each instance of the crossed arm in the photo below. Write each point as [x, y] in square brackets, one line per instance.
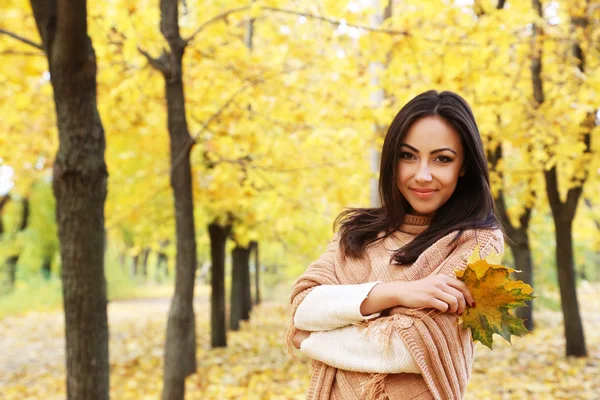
[331, 316]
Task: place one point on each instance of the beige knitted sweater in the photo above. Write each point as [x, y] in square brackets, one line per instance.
[442, 350]
[338, 335]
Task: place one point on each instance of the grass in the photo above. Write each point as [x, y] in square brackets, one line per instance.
[39, 294]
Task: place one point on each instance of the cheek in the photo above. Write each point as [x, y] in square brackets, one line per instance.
[400, 177]
[450, 176]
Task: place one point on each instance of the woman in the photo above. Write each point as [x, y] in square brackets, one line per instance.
[377, 312]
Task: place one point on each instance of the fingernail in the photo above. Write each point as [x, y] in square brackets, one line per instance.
[473, 304]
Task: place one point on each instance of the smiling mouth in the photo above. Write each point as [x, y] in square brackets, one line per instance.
[423, 193]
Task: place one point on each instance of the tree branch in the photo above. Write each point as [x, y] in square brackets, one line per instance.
[574, 193]
[216, 18]
[44, 13]
[161, 63]
[22, 39]
[331, 21]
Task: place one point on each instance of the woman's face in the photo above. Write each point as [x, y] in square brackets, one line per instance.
[431, 160]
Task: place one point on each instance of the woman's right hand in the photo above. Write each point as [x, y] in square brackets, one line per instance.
[435, 291]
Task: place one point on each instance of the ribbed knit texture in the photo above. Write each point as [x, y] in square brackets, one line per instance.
[442, 349]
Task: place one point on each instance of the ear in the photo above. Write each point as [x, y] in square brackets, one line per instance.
[463, 170]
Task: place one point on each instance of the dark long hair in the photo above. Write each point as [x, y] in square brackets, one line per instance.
[471, 206]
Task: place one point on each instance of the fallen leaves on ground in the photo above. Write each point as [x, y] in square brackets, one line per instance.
[255, 365]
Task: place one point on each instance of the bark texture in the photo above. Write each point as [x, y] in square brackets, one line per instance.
[79, 185]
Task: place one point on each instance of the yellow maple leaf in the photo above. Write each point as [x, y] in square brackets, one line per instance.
[495, 294]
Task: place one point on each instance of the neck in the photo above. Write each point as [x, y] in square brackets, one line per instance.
[415, 224]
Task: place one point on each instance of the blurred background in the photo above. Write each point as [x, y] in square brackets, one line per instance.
[287, 103]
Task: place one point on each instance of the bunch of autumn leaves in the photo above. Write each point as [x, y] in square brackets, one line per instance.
[496, 295]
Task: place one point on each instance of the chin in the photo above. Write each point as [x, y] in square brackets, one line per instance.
[422, 211]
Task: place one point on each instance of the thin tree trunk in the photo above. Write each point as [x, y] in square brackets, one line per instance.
[79, 184]
[523, 262]
[236, 297]
[3, 201]
[246, 284]
[162, 261]
[377, 98]
[518, 241]
[568, 291]
[256, 274]
[145, 256]
[46, 267]
[135, 260]
[180, 346]
[12, 261]
[218, 238]
[123, 260]
[563, 213]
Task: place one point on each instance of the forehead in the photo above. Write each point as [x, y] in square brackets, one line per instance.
[432, 133]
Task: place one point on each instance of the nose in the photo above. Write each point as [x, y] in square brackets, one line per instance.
[423, 174]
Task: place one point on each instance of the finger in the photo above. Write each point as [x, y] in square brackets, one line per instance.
[460, 285]
[448, 299]
[439, 305]
[459, 297]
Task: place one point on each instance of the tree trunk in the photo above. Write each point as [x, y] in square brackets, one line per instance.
[145, 256]
[518, 240]
[563, 213]
[237, 288]
[135, 260]
[241, 297]
[123, 260]
[246, 284]
[79, 184]
[256, 274]
[5, 199]
[161, 260]
[568, 292]
[523, 262]
[218, 238]
[46, 267]
[12, 261]
[377, 98]
[180, 346]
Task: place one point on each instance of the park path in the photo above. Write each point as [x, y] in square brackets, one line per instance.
[33, 345]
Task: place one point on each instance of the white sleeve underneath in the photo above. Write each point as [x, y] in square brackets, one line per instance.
[329, 307]
[347, 348]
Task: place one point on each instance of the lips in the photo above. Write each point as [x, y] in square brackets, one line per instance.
[423, 193]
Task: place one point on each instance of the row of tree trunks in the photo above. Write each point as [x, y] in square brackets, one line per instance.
[143, 257]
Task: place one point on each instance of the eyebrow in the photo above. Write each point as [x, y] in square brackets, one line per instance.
[431, 152]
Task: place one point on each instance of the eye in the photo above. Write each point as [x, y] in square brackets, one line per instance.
[404, 155]
[444, 159]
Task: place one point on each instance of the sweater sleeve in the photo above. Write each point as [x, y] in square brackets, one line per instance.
[348, 348]
[329, 307]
